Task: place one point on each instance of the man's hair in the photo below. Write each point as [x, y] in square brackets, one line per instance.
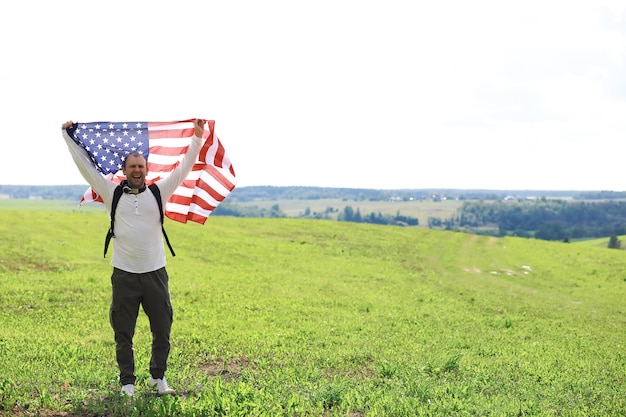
[134, 154]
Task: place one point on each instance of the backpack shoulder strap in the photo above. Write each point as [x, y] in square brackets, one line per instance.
[117, 194]
[157, 194]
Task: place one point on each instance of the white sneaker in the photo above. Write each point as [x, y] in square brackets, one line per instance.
[128, 390]
[161, 386]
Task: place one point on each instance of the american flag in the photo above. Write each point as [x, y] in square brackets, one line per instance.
[163, 144]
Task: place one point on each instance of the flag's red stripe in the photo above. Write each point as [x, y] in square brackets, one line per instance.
[198, 218]
[172, 123]
[170, 133]
[217, 175]
[168, 150]
[207, 143]
[179, 199]
[218, 159]
[187, 183]
[176, 216]
[153, 167]
[200, 202]
[210, 191]
[194, 217]
[185, 200]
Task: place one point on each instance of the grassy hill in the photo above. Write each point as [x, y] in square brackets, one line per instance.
[298, 317]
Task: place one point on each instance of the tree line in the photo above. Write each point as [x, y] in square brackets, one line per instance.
[348, 214]
[588, 214]
[543, 218]
[269, 193]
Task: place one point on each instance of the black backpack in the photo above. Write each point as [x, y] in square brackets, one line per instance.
[117, 194]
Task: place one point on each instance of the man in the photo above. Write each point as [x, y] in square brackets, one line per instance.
[139, 275]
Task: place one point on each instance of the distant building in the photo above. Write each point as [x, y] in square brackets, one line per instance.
[4, 196]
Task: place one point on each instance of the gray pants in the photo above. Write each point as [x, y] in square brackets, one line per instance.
[151, 290]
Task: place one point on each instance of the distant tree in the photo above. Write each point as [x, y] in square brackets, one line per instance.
[614, 243]
[434, 222]
[406, 220]
[347, 215]
[357, 216]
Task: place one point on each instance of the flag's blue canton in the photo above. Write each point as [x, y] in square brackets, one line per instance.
[108, 144]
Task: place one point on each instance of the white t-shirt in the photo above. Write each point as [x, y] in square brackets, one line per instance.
[138, 243]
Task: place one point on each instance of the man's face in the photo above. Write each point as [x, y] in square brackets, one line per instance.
[135, 171]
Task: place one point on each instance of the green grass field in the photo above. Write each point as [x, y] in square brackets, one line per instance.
[288, 317]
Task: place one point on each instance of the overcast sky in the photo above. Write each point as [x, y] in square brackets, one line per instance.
[363, 94]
